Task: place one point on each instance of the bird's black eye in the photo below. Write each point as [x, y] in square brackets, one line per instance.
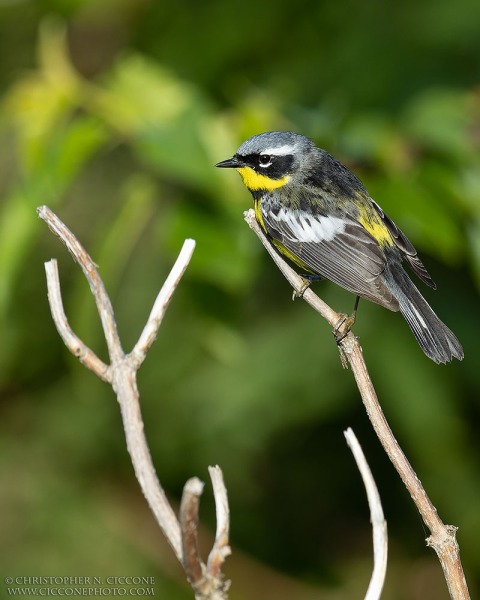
[265, 160]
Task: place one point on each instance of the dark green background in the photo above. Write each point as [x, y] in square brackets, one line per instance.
[113, 113]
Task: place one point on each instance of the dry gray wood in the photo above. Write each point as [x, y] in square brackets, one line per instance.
[442, 537]
[121, 374]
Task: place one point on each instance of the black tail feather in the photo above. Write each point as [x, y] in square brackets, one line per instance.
[434, 337]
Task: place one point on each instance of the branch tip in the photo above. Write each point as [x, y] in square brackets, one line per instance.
[379, 526]
[150, 331]
[194, 486]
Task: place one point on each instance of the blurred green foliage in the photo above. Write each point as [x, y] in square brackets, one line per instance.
[113, 114]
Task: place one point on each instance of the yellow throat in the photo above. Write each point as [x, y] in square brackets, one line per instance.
[254, 181]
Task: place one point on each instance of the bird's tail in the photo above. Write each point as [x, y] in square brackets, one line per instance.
[434, 337]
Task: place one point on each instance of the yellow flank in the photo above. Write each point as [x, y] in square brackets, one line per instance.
[376, 228]
[280, 247]
[259, 216]
[254, 181]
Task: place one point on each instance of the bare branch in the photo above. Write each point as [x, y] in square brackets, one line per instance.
[379, 525]
[221, 548]
[293, 278]
[89, 268]
[206, 580]
[125, 386]
[442, 537]
[87, 357]
[150, 330]
[122, 374]
[192, 563]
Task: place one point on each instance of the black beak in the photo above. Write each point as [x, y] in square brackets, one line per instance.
[230, 163]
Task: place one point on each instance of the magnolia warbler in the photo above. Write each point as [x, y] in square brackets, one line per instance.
[319, 215]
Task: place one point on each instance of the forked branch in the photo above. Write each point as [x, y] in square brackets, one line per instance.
[442, 537]
[206, 579]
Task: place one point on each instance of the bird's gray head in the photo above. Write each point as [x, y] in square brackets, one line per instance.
[270, 160]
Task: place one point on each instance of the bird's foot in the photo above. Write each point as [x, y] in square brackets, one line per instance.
[307, 280]
[343, 326]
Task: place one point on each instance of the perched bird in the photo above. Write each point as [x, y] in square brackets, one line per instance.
[319, 215]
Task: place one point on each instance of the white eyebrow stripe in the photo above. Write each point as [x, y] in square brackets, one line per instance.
[279, 151]
[308, 228]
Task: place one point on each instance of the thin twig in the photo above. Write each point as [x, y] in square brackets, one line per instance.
[84, 354]
[192, 563]
[294, 279]
[442, 537]
[89, 268]
[150, 330]
[379, 525]
[206, 579]
[221, 548]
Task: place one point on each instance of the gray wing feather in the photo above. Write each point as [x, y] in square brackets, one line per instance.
[350, 257]
[406, 247]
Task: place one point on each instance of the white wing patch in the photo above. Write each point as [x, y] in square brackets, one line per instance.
[309, 228]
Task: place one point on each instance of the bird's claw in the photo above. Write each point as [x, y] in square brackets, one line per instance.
[299, 293]
[343, 326]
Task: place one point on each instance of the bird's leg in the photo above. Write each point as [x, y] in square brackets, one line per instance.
[345, 323]
[307, 280]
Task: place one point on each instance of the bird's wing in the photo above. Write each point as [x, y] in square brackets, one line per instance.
[336, 247]
[406, 246]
